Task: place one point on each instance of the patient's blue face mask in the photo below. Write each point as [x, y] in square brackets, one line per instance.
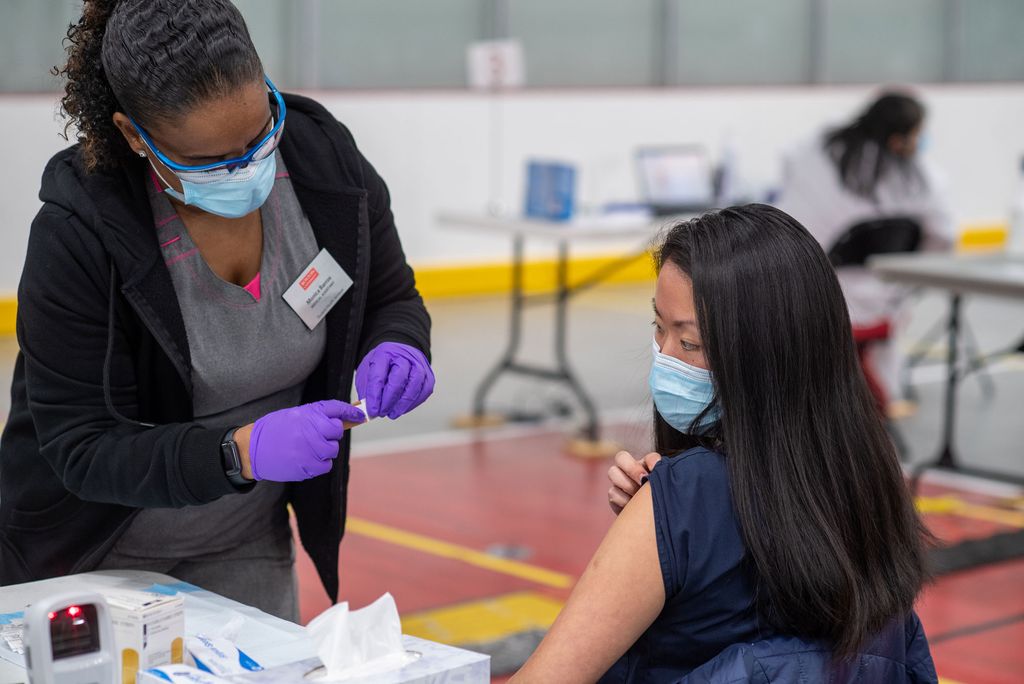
[681, 392]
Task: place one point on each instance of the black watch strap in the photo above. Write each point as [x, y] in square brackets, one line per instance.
[232, 460]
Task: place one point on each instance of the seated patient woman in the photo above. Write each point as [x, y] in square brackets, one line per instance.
[779, 515]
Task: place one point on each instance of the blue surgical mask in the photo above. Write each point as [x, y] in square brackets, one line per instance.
[228, 193]
[923, 143]
[681, 393]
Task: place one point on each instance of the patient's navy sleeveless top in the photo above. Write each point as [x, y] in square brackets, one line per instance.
[709, 586]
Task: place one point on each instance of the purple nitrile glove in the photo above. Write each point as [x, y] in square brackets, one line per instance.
[299, 443]
[393, 379]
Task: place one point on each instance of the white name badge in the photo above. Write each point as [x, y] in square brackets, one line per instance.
[318, 289]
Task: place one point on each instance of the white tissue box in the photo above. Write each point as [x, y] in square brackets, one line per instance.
[149, 629]
[436, 664]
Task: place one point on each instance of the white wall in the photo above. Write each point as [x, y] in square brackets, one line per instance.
[461, 150]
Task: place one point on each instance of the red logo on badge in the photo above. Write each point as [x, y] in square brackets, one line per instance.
[308, 279]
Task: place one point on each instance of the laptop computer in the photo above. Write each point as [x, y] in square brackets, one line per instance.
[676, 179]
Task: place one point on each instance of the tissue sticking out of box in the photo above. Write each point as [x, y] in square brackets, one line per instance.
[359, 643]
[233, 627]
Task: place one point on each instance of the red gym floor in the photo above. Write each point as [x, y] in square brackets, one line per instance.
[422, 520]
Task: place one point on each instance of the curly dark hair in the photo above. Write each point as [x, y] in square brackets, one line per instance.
[152, 60]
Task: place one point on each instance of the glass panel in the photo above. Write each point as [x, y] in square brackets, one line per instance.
[743, 41]
[869, 41]
[396, 43]
[587, 42]
[991, 47]
[271, 25]
[31, 32]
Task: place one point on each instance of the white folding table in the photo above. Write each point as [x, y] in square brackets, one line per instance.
[562, 234]
[994, 275]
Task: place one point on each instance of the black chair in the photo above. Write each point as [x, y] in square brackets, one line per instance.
[890, 235]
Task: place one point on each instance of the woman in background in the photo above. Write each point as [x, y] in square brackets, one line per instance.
[869, 169]
[778, 521]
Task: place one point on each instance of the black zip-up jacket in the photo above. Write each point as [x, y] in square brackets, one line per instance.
[101, 334]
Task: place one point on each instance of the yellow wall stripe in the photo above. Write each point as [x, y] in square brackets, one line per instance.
[456, 280]
[436, 547]
[8, 314]
[538, 275]
[474, 279]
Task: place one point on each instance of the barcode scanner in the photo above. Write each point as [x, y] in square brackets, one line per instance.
[69, 639]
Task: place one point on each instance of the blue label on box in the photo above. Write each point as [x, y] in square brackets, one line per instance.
[550, 190]
[172, 589]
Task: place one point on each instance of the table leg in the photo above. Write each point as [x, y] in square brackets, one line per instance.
[507, 359]
[976, 364]
[591, 429]
[590, 443]
[919, 354]
[946, 458]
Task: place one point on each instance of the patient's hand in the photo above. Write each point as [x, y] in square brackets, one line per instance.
[626, 476]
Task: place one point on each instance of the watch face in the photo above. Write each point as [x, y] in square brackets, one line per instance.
[232, 462]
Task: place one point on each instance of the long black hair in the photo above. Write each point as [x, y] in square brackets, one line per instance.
[835, 543]
[860, 150]
[151, 59]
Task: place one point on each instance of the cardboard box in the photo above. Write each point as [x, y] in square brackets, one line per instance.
[149, 629]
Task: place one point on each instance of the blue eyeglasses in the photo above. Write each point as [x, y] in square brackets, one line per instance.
[263, 149]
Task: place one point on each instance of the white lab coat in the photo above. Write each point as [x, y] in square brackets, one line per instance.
[812, 193]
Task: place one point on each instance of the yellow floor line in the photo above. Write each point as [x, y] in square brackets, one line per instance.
[436, 547]
[484, 621]
[951, 505]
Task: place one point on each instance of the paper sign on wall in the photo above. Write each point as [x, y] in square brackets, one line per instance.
[495, 65]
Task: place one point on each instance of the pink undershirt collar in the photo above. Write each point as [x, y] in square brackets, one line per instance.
[253, 287]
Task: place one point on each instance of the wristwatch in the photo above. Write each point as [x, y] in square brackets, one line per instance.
[232, 461]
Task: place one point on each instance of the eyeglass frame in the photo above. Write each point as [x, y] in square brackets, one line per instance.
[229, 164]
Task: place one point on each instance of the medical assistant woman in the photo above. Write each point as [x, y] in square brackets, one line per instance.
[212, 261]
[868, 169]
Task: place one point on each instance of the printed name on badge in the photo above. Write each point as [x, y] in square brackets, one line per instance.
[317, 289]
